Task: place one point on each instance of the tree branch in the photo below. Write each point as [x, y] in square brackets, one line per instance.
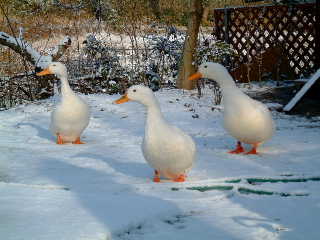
[23, 48]
[17, 46]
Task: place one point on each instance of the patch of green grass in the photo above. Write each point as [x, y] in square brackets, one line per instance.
[206, 188]
[283, 180]
[210, 188]
[243, 190]
[233, 181]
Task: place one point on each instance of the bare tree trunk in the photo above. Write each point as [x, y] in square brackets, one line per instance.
[205, 14]
[6, 40]
[186, 65]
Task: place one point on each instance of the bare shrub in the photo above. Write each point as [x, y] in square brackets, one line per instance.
[118, 51]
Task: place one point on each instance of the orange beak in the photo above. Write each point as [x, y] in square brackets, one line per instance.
[195, 76]
[44, 72]
[123, 99]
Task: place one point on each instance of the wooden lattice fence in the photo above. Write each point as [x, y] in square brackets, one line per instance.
[252, 30]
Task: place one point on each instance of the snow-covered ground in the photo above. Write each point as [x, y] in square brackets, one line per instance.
[103, 189]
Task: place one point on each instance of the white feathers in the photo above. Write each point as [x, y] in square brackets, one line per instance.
[71, 116]
[165, 147]
[245, 119]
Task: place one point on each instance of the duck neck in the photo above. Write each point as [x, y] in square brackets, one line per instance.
[229, 89]
[227, 82]
[154, 115]
[65, 87]
[230, 92]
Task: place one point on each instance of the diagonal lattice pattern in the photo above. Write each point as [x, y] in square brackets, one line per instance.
[252, 30]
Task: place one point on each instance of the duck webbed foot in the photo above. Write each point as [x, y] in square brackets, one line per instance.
[180, 178]
[239, 149]
[78, 141]
[254, 149]
[59, 139]
[156, 177]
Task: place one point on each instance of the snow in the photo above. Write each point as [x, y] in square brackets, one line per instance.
[103, 189]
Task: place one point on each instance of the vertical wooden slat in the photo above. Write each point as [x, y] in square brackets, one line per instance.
[226, 22]
[317, 42]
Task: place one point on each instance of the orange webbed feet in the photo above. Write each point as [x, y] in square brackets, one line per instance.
[180, 178]
[78, 141]
[156, 177]
[253, 150]
[59, 139]
[239, 149]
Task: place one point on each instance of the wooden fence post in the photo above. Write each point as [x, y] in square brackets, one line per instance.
[317, 40]
[226, 21]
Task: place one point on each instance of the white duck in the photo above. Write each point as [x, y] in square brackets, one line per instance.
[247, 120]
[168, 150]
[71, 116]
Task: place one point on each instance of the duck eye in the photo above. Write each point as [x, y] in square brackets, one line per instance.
[134, 90]
[54, 65]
